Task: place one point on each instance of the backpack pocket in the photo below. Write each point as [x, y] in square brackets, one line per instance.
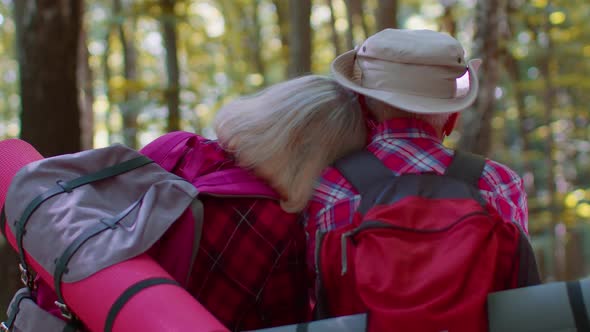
[24, 315]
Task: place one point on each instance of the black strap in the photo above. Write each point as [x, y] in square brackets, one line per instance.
[73, 325]
[363, 170]
[15, 308]
[128, 294]
[367, 174]
[3, 222]
[576, 298]
[108, 172]
[198, 215]
[62, 263]
[466, 167]
[62, 187]
[22, 222]
[528, 272]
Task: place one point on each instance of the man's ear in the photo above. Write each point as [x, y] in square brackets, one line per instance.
[450, 124]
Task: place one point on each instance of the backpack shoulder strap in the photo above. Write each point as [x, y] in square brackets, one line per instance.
[169, 149]
[234, 182]
[363, 170]
[466, 167]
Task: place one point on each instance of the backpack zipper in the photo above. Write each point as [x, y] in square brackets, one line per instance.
[375, 224]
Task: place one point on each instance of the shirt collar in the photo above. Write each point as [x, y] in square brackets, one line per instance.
[402, 128]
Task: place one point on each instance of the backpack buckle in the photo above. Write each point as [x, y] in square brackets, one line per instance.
[65, 311]
[3, 327]
[26, 277]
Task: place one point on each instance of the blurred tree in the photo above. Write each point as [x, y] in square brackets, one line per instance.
[478, 124]
[335, 37]
[547, 68]
[386, 14]
[282, 11]
[299, 37]
[447, 20]
[169, 34]
[356, 17]
[50, 118]
[129, 103]
[86, 92]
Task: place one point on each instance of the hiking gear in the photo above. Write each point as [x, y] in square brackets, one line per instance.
[78, 219]
[423, 252]
[408, 146]
[25, 315]
[418, 71]
[552, 307]
[250, 271]
[352, 323]
[172, 178]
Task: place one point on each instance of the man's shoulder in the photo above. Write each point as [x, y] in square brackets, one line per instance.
[498, 174]
[332, 187]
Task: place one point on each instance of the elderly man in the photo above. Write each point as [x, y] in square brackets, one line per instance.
[412, 85]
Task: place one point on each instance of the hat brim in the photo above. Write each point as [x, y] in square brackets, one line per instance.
[14, 155]
[342, 69]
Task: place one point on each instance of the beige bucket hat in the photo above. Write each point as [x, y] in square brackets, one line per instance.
[419, 71]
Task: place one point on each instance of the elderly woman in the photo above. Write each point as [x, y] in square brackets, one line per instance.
[290, 132]
[244, 260]
[250, 271]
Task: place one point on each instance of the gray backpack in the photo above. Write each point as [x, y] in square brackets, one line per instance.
[78, 214]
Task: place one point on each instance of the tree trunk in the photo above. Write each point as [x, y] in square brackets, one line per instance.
[386, 14]
[129, 105]
[284, 26]
[85, 80]
[519, 95]
[232, 46]
[547, 61]
[477, 125]
[256, 46]
[514, 71]
[107, 79]
[300, 38]
[350, 20]
[357, 15]
[335, 37]
[173, 90]
[448, 22]
[47, 32]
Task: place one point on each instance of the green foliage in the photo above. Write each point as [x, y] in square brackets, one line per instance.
[9, 99]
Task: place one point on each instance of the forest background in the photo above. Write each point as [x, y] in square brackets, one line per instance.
[80, 74]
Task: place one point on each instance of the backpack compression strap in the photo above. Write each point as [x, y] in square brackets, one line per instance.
[365, 172]
[466, 167]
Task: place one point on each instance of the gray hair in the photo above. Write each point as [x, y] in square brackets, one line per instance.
[295, 129]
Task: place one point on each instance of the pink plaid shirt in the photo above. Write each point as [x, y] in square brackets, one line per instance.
[408, 146]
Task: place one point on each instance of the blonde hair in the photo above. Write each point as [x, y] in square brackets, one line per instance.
[296, 128]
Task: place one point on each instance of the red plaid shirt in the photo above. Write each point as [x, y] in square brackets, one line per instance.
[250, 270]
[408, 146]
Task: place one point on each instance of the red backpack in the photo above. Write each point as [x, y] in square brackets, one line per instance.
[423, 252]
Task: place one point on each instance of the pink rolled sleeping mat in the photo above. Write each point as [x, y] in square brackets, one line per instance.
[93, 299]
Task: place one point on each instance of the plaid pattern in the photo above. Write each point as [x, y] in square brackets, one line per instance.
[250, 269]
[409, 146]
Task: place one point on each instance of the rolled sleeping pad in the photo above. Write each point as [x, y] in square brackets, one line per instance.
[551, 307]
[134, 295]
